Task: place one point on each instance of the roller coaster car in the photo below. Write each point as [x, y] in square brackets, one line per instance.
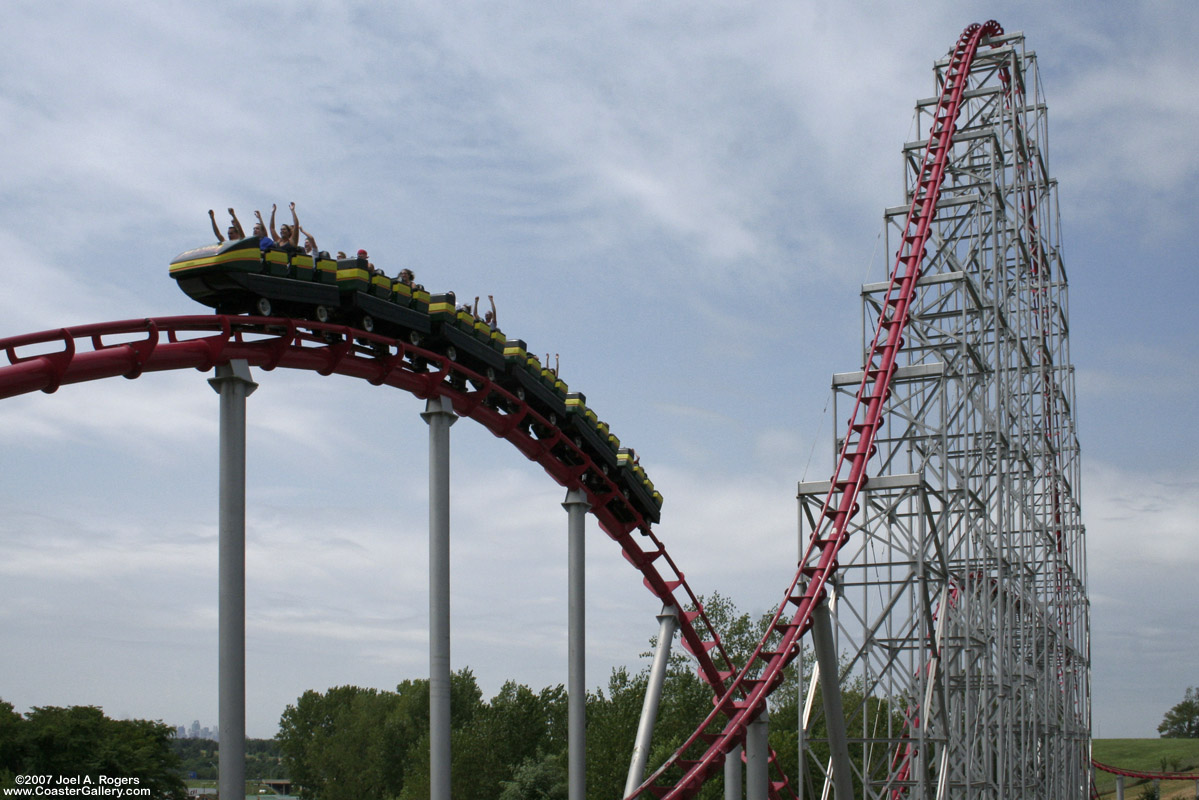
[464, 343]
[592, 432]
[525, 370]
[377, 303]
[639, 484]
[237, 277]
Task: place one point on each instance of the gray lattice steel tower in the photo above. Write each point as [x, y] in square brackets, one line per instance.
[961, 604]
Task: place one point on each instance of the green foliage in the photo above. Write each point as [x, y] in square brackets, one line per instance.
[492, 740]
[1182, 721]
[10, 748]
[541, 778]
[81, 740]
[264, 759]
[351, 742]
[334, 744]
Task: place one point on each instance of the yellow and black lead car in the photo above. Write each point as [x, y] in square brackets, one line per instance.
[238, 277]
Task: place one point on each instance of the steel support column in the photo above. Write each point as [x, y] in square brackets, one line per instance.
[732, 774]
[757, 758]
[576, 506]
[801, 722]
[668, 623]
[439, 414]
[830, 689]
[234, 384]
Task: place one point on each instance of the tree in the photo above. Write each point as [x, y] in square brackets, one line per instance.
[10, 748]
[335, 745]
[542, 778]
[1182, 721]
[81, 740]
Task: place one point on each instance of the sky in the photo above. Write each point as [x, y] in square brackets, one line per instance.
[680, 200]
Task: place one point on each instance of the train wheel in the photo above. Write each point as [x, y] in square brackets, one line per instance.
[451, 353]
[322, 314]
[520, 393]
[368, 323]
[264, 306]
[414, 337]
[490, 374]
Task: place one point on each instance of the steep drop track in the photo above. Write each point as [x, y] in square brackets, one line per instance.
[751, 686]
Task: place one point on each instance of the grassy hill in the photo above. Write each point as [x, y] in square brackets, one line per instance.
[1149, 755]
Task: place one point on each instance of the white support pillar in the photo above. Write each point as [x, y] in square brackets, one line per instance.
[732, 774]
[757, 758]
[830, 689]
[800, 727]
[668, 623]
[576, 506]
[439, 414]
[234, 384]
[1119, 787]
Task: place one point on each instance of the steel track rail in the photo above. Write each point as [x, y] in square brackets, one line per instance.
[747, 695]
[51, 359]
[1149, 776]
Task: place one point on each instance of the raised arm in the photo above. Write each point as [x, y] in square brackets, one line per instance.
[215, 229]
[295, 226]
[309, 241]
[241, 233]
[274, 233]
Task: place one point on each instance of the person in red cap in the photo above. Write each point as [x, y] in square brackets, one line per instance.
[363, 262]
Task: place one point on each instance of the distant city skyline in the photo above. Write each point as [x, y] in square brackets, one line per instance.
[195, 731]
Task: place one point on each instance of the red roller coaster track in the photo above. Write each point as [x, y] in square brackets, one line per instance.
[819, 562]
[1151, 776]
[48, 360]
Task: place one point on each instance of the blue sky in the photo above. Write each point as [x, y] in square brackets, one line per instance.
[680, 200]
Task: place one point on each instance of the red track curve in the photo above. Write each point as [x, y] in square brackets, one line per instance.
[51, 359]
[819, 562]
[1132, 773]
